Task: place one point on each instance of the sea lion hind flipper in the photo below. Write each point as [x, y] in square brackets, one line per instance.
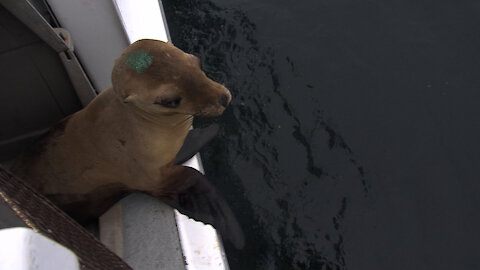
[197, 198]
[195, 140]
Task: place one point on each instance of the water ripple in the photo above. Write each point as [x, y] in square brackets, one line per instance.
[288, 174]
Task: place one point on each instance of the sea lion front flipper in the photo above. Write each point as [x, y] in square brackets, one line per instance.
[195, 140]
[192, 194]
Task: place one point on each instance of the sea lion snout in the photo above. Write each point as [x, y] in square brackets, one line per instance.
[224, 100]
[213, 100]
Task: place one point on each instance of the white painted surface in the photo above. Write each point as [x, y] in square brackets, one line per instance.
[145, 233]
[141, 19]
[97, 35]
[200, 245]
[24, 249]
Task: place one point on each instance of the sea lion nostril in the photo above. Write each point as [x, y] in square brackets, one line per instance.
[223, 100]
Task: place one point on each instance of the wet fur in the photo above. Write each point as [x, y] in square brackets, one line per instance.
[124, 141]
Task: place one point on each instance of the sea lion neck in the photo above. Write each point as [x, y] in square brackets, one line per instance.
[155, 139]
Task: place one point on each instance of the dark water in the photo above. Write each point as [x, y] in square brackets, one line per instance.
[352, 139]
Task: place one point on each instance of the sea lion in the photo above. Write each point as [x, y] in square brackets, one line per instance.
[127, 139]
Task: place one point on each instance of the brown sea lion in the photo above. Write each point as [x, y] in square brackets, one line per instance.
[127, 140]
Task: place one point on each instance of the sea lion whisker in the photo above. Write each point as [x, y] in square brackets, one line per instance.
[189, 117]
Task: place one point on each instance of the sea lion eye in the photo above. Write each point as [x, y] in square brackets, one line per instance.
[170, 102]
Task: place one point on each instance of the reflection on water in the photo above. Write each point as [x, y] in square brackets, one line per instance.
[284, 168]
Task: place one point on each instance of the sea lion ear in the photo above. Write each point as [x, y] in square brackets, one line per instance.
[129, 99]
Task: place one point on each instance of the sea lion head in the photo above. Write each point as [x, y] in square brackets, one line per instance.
[161, 80]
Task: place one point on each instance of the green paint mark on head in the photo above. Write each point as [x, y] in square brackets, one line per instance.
[139, 60]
